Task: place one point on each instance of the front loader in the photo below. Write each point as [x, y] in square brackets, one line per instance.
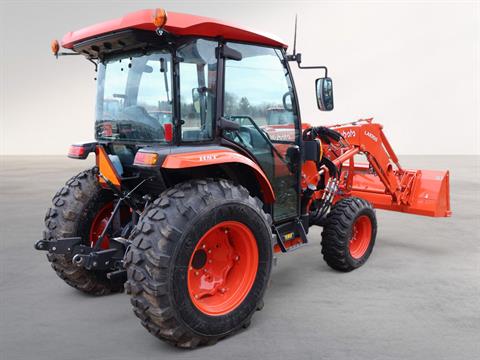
[197, 184]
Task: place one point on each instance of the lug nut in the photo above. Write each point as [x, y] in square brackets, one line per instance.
[237, 258]
[196, 296]
[196, 273]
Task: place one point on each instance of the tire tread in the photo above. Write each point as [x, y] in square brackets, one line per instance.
[149, 256]
[337, 230]
[60, 221]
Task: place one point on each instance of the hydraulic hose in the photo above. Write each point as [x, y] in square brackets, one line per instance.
[324, 133]
[332, 169]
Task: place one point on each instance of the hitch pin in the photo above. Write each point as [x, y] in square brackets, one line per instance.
[78, 260]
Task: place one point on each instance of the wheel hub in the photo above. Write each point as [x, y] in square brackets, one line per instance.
[100, 221]
[222, 268]
[361, 237]
[98, 225]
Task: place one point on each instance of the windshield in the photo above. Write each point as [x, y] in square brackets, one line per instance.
[134, 99]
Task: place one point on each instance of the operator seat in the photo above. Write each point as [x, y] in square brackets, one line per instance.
[140, 115]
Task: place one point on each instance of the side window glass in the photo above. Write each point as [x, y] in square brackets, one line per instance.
[258, 87]
[198, 74]
[259, 96]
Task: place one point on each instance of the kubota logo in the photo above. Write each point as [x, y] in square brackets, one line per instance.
[371, 136]
[348, 134]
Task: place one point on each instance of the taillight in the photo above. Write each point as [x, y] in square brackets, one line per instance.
[81, 151]
[76, 151]
[145, 159]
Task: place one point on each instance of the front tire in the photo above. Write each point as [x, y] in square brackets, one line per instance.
[349, 234]
[199, 262]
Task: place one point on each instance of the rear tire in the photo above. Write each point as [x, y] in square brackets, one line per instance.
[349, 234]
[168, 253]
[73, 210]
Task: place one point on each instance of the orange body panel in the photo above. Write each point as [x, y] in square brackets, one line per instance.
[309, 174]
[215, 157]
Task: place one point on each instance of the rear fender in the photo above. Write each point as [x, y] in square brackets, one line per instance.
[197, 159]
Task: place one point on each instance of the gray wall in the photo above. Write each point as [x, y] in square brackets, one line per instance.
[413, 66]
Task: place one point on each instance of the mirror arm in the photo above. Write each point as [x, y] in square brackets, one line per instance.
[314, 67]
[298, 59]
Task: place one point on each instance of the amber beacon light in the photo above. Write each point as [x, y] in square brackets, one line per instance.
[55, 46]
[159, 17]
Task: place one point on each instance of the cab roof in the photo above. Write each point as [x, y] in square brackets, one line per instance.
[178, 24]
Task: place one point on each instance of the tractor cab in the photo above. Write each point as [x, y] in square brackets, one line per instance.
[163, 91]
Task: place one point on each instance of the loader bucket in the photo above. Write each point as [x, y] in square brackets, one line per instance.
[423, 192]
[431, 194]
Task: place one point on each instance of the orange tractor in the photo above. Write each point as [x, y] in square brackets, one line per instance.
[185, 211]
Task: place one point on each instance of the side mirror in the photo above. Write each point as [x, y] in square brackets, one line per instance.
[324, 87]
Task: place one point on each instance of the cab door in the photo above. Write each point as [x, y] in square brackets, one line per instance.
[258, 94]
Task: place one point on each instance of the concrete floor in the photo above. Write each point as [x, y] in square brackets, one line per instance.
[418, 297]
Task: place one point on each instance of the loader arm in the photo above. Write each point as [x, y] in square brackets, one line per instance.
[383, 181]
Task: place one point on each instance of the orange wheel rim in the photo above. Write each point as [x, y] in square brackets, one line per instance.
[98, 225]
[223, 268]
[361, 237]
[100, 221]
